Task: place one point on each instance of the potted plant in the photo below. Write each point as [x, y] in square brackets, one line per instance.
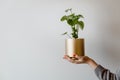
[73, 45]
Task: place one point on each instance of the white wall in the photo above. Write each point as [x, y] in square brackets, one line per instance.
[31, 45]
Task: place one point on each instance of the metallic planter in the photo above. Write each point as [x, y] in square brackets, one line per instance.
[74, 46]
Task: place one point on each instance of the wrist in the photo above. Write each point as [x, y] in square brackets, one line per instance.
[92, 64]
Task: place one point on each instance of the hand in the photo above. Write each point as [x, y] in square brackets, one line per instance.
[77, 59]
[81, 59]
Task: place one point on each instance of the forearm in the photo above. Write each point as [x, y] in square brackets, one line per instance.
[92, 63]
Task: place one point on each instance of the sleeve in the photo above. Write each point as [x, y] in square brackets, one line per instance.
[105, 74]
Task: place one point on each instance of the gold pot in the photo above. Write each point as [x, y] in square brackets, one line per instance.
[74, 46]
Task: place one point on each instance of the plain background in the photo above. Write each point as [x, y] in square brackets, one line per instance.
[32, 47]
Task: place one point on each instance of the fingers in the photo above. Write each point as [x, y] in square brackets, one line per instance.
[70, 59]
[75, 59]
[65, 57]
[79, 57]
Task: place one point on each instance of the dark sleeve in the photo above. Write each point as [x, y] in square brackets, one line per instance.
[105, 74]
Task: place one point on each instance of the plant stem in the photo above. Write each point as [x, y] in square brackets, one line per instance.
[69, 36]
[77, 30]
[71, 11]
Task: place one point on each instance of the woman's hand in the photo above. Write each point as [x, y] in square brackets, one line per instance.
[77, 59]
[81, 59]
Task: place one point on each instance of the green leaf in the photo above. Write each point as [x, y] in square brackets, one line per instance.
[64, 33]
[80, 16]
[81, 24]
[64, 18]
[68, 10]
[71, 16]
[70, 22]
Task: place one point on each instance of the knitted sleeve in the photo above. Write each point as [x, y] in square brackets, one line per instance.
[105, 74]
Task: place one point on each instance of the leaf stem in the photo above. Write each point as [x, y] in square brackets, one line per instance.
[69, 36]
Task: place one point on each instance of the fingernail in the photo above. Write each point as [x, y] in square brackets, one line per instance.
[74, 55]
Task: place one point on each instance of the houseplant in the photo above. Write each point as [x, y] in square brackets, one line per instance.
[74, 45]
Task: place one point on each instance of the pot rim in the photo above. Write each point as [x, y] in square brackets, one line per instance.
[75, 39]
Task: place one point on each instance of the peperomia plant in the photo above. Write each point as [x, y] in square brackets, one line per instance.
[75, 23]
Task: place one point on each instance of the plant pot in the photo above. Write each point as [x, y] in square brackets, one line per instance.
[74, 46]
